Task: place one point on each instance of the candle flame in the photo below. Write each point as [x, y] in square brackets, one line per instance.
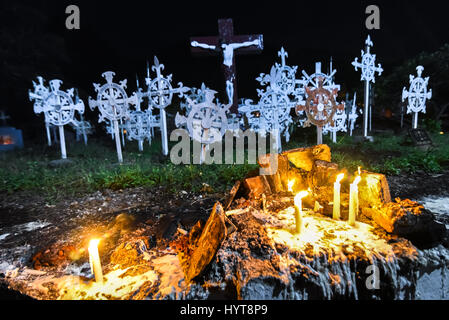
[340, 177]
[93, 244]
[300, 196]
[290, 185]
[357, 180]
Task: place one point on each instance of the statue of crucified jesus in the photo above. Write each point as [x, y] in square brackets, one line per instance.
[228, 57]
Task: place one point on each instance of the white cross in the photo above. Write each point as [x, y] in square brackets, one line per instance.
[368, 64]
[285, 80]
[206, 122]
[38, 96]
[417, 95]
[352, 117]
[83, 128]
[59, 110]
[160, 94]
[369, 69]
[113, 103]
[138, 127]
[273, 111]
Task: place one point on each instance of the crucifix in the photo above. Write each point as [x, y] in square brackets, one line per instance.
[228, 45]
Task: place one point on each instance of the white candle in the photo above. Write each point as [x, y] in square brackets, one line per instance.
[337, 187]
[353, 201]
[94, 259]
[298, 210]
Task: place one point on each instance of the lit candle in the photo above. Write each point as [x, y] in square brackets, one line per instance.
[353, 201]
[298, 210]
[94, 259]
[337, 187]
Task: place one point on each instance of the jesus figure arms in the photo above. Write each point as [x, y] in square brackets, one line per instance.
[243, 44]
[202, 45]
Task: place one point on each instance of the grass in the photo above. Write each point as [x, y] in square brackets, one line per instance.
[96, 166]
[392, 155]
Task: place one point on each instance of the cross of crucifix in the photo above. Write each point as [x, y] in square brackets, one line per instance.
[228, 45]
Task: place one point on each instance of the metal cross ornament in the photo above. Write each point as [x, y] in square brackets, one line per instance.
[353, 115]
[272, 112]
[339, 124]
[38, 96]
[160, 95]
[320, 108]
[285, 81]
[369, 69]
[113, 103]
[327, 80]
[59, 110]
[82, 128]
[197, 95]
[417, 95]
[206, 122]
[138, 127]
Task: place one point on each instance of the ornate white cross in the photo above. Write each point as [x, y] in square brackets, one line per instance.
[160, 95]
[369, 69]
[138, 127]
[113, 103]
[206, 122]
[285, 80]
[417, 95]
[353, 115]
[320, 107]
[38, 96]
[272, 112]
[339, 125]
[197, 95]
[59, 110]
[82, 128]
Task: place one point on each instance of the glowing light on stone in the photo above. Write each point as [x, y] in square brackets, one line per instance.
[298, 210]
[94, 259]
[337, 187]
[354, 201]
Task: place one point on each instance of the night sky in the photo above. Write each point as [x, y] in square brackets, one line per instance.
[122, 35]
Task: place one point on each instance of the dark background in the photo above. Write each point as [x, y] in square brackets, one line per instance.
[122, 35]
